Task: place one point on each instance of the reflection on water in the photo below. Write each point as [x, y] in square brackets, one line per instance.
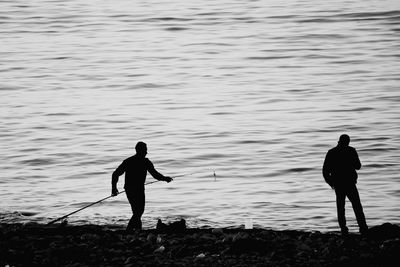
[255, 91]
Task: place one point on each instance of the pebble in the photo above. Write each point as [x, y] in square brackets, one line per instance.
[303, 247]
[129, 260]
[217, 231]
[151, 238]
[159, 250]
[201, 255]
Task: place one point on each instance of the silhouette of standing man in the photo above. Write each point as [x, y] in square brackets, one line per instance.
[135, 169]
[339, 171]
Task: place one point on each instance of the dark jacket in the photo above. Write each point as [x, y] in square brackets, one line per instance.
[136, 169]
[340, 165]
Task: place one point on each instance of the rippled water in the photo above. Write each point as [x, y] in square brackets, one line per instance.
[255, 91]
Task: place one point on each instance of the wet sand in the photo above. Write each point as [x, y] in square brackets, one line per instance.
[91, 245]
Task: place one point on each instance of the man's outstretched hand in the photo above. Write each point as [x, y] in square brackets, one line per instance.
[114, 191]
[168, 179]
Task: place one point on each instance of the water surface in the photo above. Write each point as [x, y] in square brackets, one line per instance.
[255, 91]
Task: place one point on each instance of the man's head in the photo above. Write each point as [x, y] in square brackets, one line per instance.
[141, 149]
[344, 140]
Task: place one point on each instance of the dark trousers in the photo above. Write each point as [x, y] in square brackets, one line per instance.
[351, 192]
[137, 200]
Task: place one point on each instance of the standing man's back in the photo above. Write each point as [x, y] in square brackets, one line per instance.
[341, 164]
[339, 171]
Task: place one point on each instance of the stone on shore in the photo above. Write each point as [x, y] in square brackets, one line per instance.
[42, 245]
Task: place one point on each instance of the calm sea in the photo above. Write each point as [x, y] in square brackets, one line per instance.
[255, 91]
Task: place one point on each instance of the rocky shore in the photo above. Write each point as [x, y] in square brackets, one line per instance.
[90, 245]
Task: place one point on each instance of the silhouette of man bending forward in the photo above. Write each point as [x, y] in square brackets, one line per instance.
[339, 171]
[135, 169]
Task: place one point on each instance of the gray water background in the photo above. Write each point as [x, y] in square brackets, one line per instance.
[255, 91]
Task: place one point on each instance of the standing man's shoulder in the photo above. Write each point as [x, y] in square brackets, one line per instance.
[148, 162]
[352, 149]
[134, 157]
[332, 150]
[129, 160]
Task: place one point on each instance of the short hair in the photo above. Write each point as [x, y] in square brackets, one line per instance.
[344, 139]
[140, 146]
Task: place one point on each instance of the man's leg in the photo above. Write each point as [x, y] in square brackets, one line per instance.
[340, 204]
[354, 198]
[132, 202]
[137, 202]
[131, 224]
[139, 210]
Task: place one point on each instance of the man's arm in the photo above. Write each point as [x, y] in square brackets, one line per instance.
[114, 180]
[357, 163]
[156, 174]
[326, 170]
